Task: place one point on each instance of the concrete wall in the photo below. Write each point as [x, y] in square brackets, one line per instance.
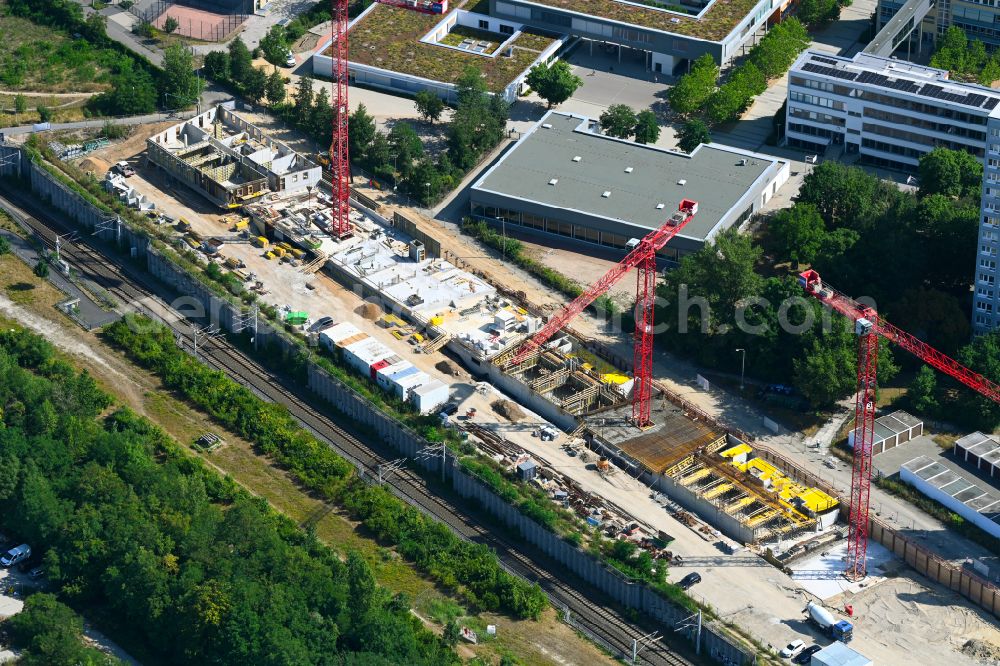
[629, 593]
[431, 244]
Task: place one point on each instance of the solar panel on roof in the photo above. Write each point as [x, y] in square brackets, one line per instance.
[828, 71]
[975, 99]
[829, 61]
[930, 90]
[991, 103]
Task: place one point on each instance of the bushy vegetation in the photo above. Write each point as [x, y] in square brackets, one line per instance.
[696, 93]
[48, 633]
[967, 60]
[176, 557]
[513, 250]
[471, 569]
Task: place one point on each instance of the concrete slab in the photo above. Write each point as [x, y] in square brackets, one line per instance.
[889, 462]
[823, 575]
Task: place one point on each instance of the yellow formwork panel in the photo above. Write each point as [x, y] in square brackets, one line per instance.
[761, 518]
[716, 491]
[734, 451]
[816, 500]
[695, 476]
[738, 504]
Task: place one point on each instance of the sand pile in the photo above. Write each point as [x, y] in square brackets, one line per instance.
[448, 368]
[369, 311]
[982, 651]
[507, 409]
[95, 165]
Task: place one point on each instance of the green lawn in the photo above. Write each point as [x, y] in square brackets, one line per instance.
[38, 59]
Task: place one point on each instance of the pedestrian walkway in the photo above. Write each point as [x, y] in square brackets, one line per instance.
[123, 120]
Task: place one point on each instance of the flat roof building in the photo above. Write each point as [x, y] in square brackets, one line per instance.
[975, 500]
[669, 35]
[229, 160]
[563, 178]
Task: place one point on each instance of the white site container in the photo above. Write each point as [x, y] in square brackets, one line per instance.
[404, 381]
[331, 336]
[384, 375]
[429, 396]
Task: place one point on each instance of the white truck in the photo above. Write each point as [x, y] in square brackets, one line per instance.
[840, 630]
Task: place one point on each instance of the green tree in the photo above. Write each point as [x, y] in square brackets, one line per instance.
[240, 61]
[846, 195]
[554, 83]
[953, 173]
[132, 92]
[424, 182]
[647, 129]
[951, 50]
[826, 372]
[694, 88]
[255, 84]
[361, 130]
[618, 121]
[170, 25]
[692, 134]
[4, 246]
[216, 65]
[983, 356]
[800, 232]
[303, 100]
[815, 13]
[50, 633]
[274, 46]
[20, 104]
[10, 472]
[429, 106]
[178, 84]
[275, 88]
[41, 268]
[406, 146]
[452, 632]
[44, 113]
[922, 391]
[321, 118]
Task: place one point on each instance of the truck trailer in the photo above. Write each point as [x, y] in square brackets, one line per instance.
[840, 630]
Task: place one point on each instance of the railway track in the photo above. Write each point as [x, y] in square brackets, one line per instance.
[594, 613]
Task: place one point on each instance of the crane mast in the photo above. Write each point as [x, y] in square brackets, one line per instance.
[643, 257]
[869, 327]
[340, 159]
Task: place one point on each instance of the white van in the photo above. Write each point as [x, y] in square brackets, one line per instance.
[15, 555]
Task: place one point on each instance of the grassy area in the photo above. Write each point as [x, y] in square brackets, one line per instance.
[389, 37]
[460, 33]
[478, 6]
[717, 22]
[37, 58]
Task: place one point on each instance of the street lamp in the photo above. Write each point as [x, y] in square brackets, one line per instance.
[743, 365]
[428, 186]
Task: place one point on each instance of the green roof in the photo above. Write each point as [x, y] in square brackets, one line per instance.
[389, 37]
[715, 24]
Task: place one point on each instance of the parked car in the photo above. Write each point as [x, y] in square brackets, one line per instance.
[15, 555]
[125, 169]
[806, 655]
[690, 580]
[36, 573]
[290, 60]
[792, 649]
[322, 323]
[449, 409]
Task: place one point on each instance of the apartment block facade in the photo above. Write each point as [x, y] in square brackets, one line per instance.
[890, 113]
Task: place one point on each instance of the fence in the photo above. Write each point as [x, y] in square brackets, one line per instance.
[206, 21]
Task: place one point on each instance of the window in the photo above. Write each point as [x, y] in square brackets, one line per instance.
[485, 25]
[984, 292]
[988, 264]
[986, 278]
[983, 306]
[988, 251]
[505, 29]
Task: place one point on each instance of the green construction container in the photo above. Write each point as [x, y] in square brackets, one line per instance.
[296, 318]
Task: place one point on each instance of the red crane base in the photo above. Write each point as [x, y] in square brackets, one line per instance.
[864, 435]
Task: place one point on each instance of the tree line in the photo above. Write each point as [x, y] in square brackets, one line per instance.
[181, 562]
[867, 238]
[698, 97]
[966, 59]
[471, 569]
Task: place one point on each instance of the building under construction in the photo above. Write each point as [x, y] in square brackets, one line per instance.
[712, 474]
[229, 160]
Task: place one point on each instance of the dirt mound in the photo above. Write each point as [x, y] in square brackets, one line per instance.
[507, 409]
[369, 311]
[448, 368]
[982, 651]
[95, 165]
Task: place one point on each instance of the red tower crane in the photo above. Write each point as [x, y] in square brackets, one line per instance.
[869, 326]
[643, 257]
[340, 159]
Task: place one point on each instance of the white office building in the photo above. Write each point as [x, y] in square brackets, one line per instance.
[891, 112]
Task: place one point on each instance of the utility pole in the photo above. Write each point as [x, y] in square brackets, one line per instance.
[247, 320]
[692, 622]
[110, 224]
[431, 451]
[743, 365]
[641, 643]
[385, 470]
[206, 333]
